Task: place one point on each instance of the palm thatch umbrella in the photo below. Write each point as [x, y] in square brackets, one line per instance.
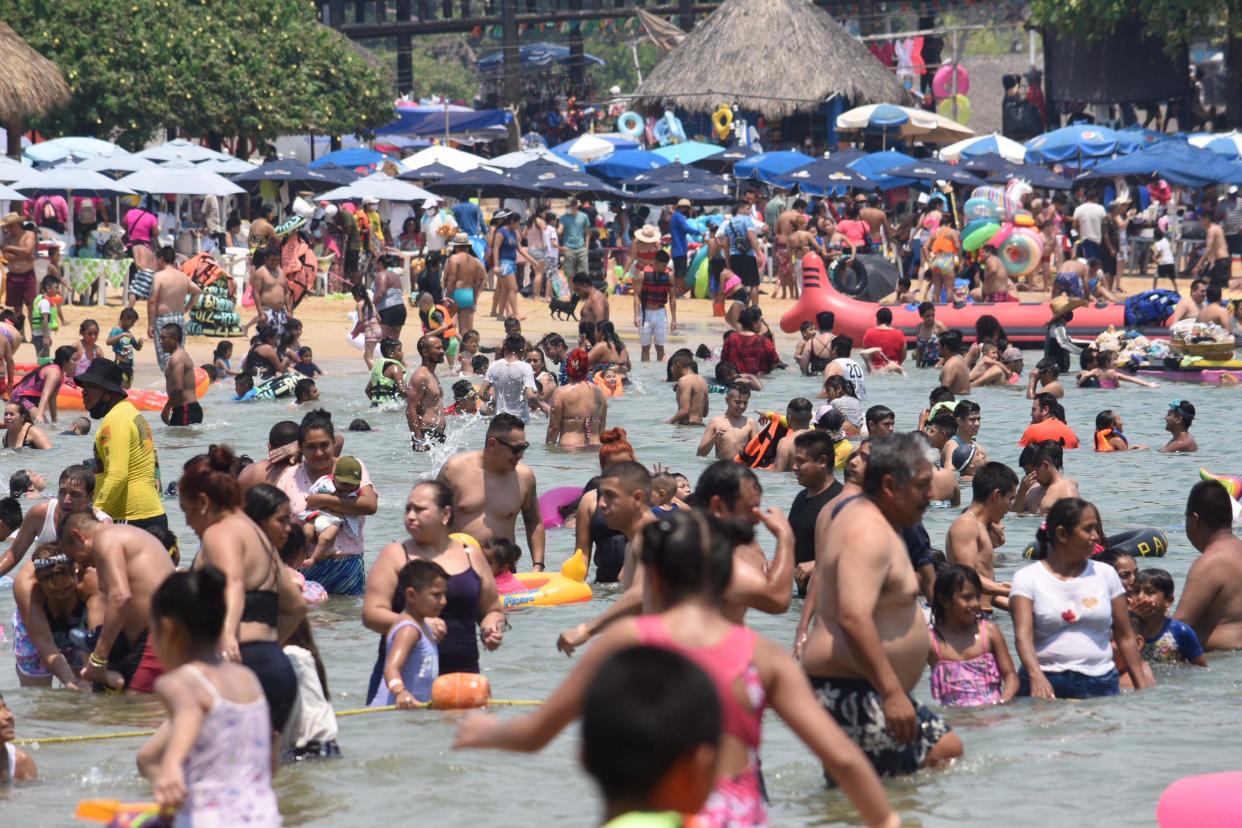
[774, 57]
[30, 84]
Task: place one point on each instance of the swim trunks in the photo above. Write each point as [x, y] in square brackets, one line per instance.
[859, 710]
[1070, 283]
[339, 576]
[185, 415]
[464, 297]
[135, 662]
[140, 282]
[393, 317]
[20, 289]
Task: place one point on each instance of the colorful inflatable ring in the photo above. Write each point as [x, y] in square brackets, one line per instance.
[1024, 219]
[676, 132]
[1020, 254]
[991, 193]
[942, 81]
[69, 397]
[702, 277]
[630, 124]
[1231, 482]
[1199, 801]
[466, 540]
[552, 501]
[945, 109]
[980, 237]
[1137, 543]
[1002, 235]
[722, 121]
[546, 589]
[460, 691]
[274, 388]
[975, 224]
[980, 208]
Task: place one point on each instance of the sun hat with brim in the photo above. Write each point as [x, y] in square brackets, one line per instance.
[11, 218]
[290, 224]
[684, 202]
[1062, 305]
[647, 234]
[102, 373]
[461, 240]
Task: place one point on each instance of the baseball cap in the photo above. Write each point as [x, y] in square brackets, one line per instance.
[348, 471]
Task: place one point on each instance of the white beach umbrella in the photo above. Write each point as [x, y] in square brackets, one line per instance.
[179, 148]
[11, 170]
[180, 178]
[9, 194]
[1006, 148]
[588, 148]
[513, 160]
[125, 163]
[228, 166]
[378, 185]
[440, 154]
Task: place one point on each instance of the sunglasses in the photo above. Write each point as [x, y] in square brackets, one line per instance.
[516, 448]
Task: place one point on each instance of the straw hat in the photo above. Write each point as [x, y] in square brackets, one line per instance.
[461, 240]
[647, 234]
[11, 218]
[684, 202]
[1062, 305]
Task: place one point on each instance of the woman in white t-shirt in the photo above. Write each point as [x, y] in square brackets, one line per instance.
[1066, 608]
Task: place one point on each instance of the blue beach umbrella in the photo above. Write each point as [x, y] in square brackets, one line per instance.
[929, 170]
[673, 173]
[725, 161]
[351, 158]
[687, 152]
[877, 164]
[769, 165]
[827, 176]
[625, 163]
[1175, 161]
[1073, 143]
[675, 191]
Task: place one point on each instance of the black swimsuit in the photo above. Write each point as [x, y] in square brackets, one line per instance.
[266, 659]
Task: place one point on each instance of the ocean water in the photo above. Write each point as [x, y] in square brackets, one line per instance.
[1099, 763]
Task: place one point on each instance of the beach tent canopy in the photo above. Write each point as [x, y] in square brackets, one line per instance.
[438, 119]
[180, 178]
[756, 56]
[1178, 162]
[533, 55]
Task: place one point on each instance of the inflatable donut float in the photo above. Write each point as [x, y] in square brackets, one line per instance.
[1210, 800]
[1148, 542]
[69, 397]
[553, 500]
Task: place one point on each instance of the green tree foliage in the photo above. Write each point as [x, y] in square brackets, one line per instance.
[207, 67]
[618, 68]
[1177, 22]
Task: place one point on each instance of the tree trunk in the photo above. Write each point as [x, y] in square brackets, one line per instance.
[13, 129]
[215, 140]
[1233, 65]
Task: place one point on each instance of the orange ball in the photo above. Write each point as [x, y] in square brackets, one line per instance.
[460, 691]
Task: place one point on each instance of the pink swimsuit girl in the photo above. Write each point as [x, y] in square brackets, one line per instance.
[974, 682]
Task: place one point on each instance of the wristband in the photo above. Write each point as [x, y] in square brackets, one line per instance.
[96, 661]
[540, 565]
[396, 687]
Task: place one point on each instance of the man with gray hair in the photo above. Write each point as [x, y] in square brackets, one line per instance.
[870, 648]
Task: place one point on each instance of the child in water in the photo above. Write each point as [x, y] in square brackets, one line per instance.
[15, 764]
[469, 350]
[1122, 666]
[243, 386]
[1107, 374]
[664, 494]
[413, 660]
[124, 343]
[1127, 570]
[502, 556]
[222, 358]
[971, 665]
[344, 482]
[211, 759]
[1167, 641]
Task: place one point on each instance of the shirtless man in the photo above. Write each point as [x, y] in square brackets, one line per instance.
[730, 492]
[464, 277]
[1214, 311]
[729, 432]
[691, 390]
[424, 396]
[20, 283]
[995, 287]
[282, 452]
[876, 220]
[1211, 601]
[182, 408]
[172, 295]
[1177, 422]
[594, 303]
[262, 229]
[1216, 261]
[787, 223]
[1189, 306]
[870, 646]
[491, 487]
[798, 418]
[954, 373]
[971, 539]
[131, 565]
[10, 340]
[273, 301]
[1045, 483]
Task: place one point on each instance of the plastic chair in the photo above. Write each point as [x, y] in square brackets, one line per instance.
[321, 275]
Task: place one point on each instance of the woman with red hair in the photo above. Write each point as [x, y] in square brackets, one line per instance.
[579, 408]
[592, 533]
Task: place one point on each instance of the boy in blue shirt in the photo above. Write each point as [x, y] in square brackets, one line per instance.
[1167, 641]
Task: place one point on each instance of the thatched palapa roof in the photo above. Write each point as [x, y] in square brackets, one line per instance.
[775, 57]
[30, 84]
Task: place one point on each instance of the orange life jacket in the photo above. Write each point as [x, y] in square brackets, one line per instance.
[760, 452]
[1102, 437]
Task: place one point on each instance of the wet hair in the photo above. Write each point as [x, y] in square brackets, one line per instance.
[359, 424]
[1049, 365]
[723, 479]
[1105, 419]
[750, 318]
[22, 411]
[896, 456]
[608, 333]
[503, 423]
[1213, 294]
[245, 379]
[949, 581]
[798, 411]
[951, 341]
[988, 327]
[195, 601]
[630, 475]
[552, 340]
[388, 347]
[506, 552]
[63, 355]
[646, 709]
[825, 320]
[945, 422]
[725, 372]
[884, 316]
[319, 419]
[1050, 450]
[924, 307]
[443, 492]
[11, 512]
[941, 393]
[514, 344]
[993, 477]
[877, 413]
[1158, 578]
[479, 363]
[212, 474]
[965, 408]
[1211, 502]
[48, 559]
[692, 553]
[842, 345]
[19, 483]
[614, 445]
[818, 444]
[282, 434]
[1046, 399]
[739, 388]
[302, 389]
[1065, 514]
[839, 383]
[679, 357]
[263, 500]
[420, 574]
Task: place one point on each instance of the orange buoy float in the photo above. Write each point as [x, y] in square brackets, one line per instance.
[460, 691]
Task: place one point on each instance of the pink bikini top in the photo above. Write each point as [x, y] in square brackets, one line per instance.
[726, 664]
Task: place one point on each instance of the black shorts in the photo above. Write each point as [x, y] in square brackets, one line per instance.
[275, 673]
[147, 524]
[1220, 271]
[716, 267]
[746, 268]
[393, 317]
[1234, 243]
[351, 262]
[1166, 272]
[185, 415]
[680, 267]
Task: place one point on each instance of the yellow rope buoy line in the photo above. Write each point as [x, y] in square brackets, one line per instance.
[137, 734]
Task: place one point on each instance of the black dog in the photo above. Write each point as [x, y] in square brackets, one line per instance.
[564, 308]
